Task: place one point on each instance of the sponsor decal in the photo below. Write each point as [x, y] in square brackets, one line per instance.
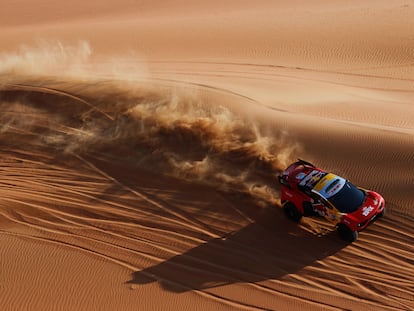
[319, 208]
[322, 183]
[366, 210]
[333, 215]
[312, 178]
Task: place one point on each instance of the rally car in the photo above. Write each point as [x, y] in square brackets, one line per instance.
[308, 190]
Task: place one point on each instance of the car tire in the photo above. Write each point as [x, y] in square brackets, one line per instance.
[382, 214]
[346, 234]
[292, 212]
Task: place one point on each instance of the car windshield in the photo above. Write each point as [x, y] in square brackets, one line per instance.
[348, 199]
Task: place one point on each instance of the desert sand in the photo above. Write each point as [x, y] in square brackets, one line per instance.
[141, 140]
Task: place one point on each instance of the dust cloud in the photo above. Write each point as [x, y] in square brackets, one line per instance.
[166, 129]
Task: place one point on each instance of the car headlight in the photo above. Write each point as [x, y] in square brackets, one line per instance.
[362, 223]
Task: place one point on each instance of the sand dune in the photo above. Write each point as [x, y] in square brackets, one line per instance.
[140, 144]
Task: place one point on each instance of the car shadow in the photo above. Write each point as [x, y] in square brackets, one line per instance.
[269, 248]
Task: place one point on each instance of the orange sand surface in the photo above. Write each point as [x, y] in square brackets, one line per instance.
[141, 140]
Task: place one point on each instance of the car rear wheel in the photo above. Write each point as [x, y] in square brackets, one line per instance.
[292, 212]
[346, 233]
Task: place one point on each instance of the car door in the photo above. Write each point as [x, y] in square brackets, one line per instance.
[325, 209]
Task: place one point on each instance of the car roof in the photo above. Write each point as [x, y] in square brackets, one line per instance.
[313, 179]
[329, 185]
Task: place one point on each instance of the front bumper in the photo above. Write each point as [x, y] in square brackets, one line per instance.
[377, 214]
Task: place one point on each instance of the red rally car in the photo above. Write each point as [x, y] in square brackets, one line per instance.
[308, 190]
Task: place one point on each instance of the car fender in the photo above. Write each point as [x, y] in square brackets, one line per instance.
[349, 221]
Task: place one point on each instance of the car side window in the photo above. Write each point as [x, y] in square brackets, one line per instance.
[326, 203]
[305, 190]
[319, 199]
[283, 181]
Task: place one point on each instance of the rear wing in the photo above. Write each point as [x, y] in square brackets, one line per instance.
[300, 161]
[283, 177]
[294, 165]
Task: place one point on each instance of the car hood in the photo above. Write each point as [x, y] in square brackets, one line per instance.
[369, 208]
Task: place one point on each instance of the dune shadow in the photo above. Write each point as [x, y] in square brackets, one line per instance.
[269, 248]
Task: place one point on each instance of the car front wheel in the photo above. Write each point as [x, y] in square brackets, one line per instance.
[380, 215]
[346, 233]
[292, 212]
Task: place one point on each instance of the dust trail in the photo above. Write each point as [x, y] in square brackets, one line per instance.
[212, 146]
[189, 133]
[46, 58]
[53, 58]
